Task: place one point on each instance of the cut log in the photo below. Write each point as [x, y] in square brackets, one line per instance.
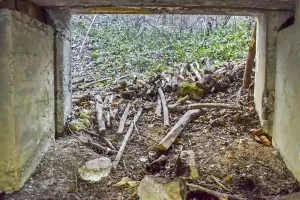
[99, 116]
[176, 107]
[250, 59]
[198, 189]
[178, 128]
[126, 138]
[165, 107]
[123, 119]
[158, 107]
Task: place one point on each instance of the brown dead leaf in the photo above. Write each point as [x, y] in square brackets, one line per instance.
[116, 103]
[265, 140]
[231, 154]
[256, 131]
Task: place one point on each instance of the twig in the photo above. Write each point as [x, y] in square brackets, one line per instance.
[99, 147]
[176, 107]
[106, 140]
[98, 81]
[220, 184]
[197, 188]
[87, 33]
[165, 107]
[126, 138]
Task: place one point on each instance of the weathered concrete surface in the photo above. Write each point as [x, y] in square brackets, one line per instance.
[62, 68]
[26, 96]
[268, 24]
[257, 4]
[286, 135]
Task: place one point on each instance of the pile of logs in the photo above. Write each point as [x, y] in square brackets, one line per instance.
[170, 91]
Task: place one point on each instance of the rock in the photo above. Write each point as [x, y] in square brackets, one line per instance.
[185, 165]
[156, 188]
[95, 170]
[190, 89]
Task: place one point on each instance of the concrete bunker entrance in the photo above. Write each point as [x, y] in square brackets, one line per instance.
[269, 20]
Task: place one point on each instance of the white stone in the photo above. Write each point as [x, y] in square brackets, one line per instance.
[95, 170]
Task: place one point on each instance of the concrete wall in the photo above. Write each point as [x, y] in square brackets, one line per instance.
[286, 128]
[60, 20]
[26, 96]
[265, 70]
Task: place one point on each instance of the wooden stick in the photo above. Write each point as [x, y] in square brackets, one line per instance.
[126, 138]
[250, 59]
[99, 147]
[108, 119]
[165, 107]
[99, 116]
[178, 128]
[197, 188]
[123, 119]
[220, 184]
[106, 140]
[87, 34]
[195, 71]
[98, 81]
[158, 107]
[176, 107]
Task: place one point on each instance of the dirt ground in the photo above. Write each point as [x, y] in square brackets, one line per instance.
[221, 140]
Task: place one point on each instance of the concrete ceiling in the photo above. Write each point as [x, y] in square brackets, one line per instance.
[221, 4]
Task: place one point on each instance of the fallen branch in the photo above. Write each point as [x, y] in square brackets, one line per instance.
[178, 128]
[99, 116]
[106, 140]
[176, 107]
[126, 138]
[98, 81]
[197, 188]
[220, 184]
[99, 147]
[165, 107]
[123, 119]
[158, 107]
